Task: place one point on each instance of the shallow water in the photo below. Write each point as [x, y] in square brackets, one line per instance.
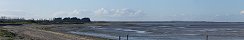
[159, 32]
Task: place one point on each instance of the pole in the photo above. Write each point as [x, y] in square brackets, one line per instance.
[206, 35]
[127, 37]
[119, 37]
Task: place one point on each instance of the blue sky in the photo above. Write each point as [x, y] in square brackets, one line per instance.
[127, 10]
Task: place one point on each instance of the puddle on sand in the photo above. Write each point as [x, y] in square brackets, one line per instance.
[130, 30]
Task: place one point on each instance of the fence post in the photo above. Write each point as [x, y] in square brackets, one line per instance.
[127, 37]
[119, 38]
[206, 37]
[206, 34]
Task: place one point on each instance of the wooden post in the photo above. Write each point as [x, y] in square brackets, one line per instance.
[206, 34]
[127, 37]
[206, 37]
[119, 38]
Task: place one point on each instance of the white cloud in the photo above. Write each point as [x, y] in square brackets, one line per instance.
[242, 11]
[102, 12]
[118, 12]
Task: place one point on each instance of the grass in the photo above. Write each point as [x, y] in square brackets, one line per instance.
[4, 34]
[15, 22]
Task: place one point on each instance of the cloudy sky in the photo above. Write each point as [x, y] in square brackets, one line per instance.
[127, 10]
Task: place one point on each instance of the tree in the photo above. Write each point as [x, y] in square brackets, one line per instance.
[85, 20]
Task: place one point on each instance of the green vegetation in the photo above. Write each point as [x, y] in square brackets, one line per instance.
[15, 22]
[4, 34]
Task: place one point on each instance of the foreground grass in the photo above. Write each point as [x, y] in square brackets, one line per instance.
[6, 35]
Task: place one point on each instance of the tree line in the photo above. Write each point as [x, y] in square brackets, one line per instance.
[66, 20]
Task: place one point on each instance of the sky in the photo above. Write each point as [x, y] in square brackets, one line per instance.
[127, 10]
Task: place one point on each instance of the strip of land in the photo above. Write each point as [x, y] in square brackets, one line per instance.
[29, 32]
